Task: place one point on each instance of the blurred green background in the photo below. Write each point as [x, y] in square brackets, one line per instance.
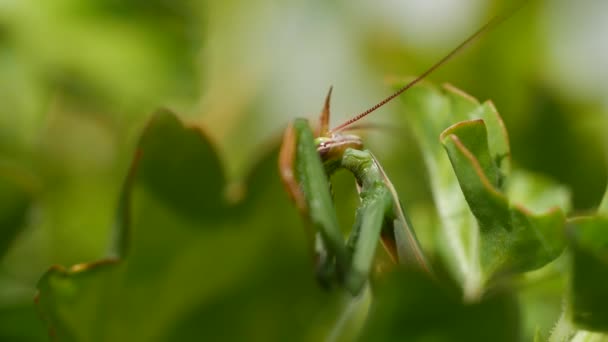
[80, 79]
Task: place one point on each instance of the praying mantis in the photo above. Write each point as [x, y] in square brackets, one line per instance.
[307, 159]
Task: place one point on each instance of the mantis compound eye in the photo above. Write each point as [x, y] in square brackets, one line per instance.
[334, 147]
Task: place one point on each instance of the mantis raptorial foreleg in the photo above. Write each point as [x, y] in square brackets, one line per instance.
[305, 178]
[373, 214]
[377, 193]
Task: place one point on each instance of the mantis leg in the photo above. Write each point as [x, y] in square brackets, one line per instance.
[379, 214]
[305, 178]
[375, 207]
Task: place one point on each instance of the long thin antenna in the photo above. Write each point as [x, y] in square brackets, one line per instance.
[495, 21]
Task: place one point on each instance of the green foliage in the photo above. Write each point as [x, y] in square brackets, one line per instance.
[191, 259]
[485, 232]
[140, 48]
[203, 249]
[63, 63]
[122, 57]
[175, 218]
[205, 269]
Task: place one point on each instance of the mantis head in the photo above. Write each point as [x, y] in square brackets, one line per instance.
[331, 145]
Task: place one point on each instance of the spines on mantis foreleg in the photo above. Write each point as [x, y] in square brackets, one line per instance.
[306, 180]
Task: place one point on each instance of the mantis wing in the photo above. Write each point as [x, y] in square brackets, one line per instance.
[401, 240]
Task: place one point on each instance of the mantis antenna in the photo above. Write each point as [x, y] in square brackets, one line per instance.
[495, 21]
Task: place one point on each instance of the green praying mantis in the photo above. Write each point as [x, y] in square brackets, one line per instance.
[307, 159]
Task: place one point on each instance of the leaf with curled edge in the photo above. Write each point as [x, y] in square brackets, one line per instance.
[429, 111]
[190, 265]
[512, 238]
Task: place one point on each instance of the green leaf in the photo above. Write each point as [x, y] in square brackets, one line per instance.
[159, 168]
[499, 143]
[240, 274]
[512, 239]
[483, 231]
[411, 307]
[588, 237]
